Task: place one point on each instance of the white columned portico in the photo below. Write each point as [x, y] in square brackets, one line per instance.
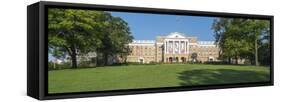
[175, 45]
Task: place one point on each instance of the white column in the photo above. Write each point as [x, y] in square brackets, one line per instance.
[186, 45]
[174, 46]
[180, 46]
[166, 44]
[183, 46]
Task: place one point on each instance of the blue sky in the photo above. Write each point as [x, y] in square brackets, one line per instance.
[146, 26]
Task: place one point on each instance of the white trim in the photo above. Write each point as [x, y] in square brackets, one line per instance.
[193, 44]
[143, 41]
[206, 42]
[175, 35]
[159, 43]
[207, 45]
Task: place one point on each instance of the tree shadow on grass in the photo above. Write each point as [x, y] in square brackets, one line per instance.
[221, 76]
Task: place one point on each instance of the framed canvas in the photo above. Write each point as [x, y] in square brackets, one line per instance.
[82, 50]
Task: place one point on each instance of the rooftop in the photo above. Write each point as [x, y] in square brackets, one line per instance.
[206, 42]
[143, 41]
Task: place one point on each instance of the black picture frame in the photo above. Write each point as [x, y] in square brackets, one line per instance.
[37, 73]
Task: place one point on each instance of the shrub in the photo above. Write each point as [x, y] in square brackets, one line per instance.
[86, 64]
[248, 62]
[53, 66]
[216, 62]
[138, 63]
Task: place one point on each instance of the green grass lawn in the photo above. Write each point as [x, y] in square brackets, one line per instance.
[151, 76]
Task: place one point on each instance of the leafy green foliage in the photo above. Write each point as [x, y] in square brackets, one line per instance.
[79, 32]
[194, 56]
[115, 38]
[240, 38]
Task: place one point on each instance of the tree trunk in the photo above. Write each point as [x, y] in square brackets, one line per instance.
[229, 60]
[105, 58]
[125, 61]
[256, 52]
[236, 59]
[73, 58]
[54, 65]
[100, 59]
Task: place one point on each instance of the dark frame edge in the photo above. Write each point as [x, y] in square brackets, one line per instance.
[42, 52]
[41, 73]
[32, 50]
[272, 49]
[157, 91]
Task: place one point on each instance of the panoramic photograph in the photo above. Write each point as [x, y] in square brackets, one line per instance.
[91, 51]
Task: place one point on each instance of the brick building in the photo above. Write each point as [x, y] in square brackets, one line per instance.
[175, 47]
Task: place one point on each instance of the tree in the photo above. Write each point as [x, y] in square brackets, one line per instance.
[79, 32]
[220, 26]
[264, 49]
[74, 31]
[259, 29]
[194, 56]
[57, 54]
[125, 53]
[115, 38]
[239, 38]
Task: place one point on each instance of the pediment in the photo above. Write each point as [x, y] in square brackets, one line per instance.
[176, 35]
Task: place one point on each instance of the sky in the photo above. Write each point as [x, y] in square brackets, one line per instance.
[146, 26]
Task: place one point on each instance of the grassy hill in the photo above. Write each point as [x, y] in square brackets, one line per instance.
[151, 76]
